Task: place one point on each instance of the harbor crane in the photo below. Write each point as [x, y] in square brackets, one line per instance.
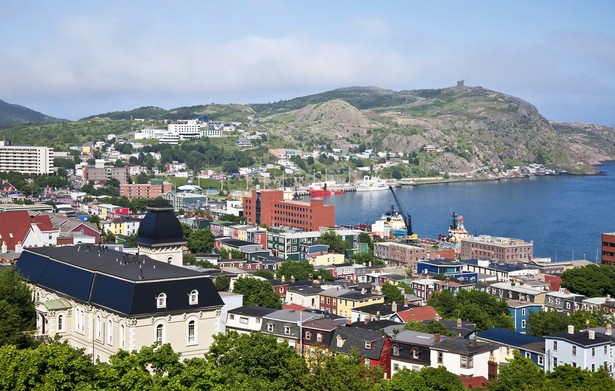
[410, 236]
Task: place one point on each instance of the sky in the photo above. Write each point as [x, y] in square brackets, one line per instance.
[72, 59]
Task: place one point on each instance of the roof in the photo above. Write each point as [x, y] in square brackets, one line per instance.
[508, 337]
[122, 283]
[464, 347]
[417, 313]
[324, 324]
[520, 304]
[160, 226]
[252, 311]
[415, 338]
[582, 339]
[14, 226]
[355, 338]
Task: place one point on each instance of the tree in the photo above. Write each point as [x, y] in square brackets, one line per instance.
[265, 274]
[364, 237]
[591, 280]
[445, 303]
[431, 327]
[336, 243]
[257, 292]
[545, 323]
[300, 270]
[392, 293]
[222, 283]
[256, 361]
[201, 241]
[342, 372]
[17, 309]
[520, 374]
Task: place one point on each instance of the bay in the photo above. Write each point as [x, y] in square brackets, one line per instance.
[564, 216]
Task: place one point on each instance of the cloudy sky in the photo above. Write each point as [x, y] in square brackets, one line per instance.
[71, 59]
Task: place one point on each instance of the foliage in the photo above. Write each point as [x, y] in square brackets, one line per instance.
[257, 360]
[233, 219]
[335, 242]
[201, 241]
[299, 270]
[520, 374]
[543, 323]
[431, 327]
[407, 287]
[17, 309]
[267, 274]
[341, 373]
[364, 237]
[222, 283]
[257, 292]
[229, 253]
[427, 379]
[590, 280]
[474, 306]
[392, 293]
[191, 260]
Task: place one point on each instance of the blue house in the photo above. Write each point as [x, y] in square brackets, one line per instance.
[520, 312]
[528, 345]
[438, 266]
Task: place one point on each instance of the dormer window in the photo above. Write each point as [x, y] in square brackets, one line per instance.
[395, 350]
[194, 297]
[368, 345]
[161, 300]
[415, 353]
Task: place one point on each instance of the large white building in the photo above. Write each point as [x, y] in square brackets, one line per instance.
[26, 159]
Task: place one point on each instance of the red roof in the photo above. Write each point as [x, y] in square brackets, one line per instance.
[474, 382]
[14, 226]
[296, 307]
[418, 314]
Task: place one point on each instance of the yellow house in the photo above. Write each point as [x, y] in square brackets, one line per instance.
[356, 299]
[325, 259]
[86, 149]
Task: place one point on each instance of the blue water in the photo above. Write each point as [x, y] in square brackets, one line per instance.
[564, 216]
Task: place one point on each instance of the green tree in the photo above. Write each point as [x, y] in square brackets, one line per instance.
[520, 374]
[265, 274]
[392, 293]
[591, 280]
[364, 237]
[17, 309]
[222, 283]
[543, 323]
[300, 270]
[336, 243]
[201, 241]
[432, 327]
[445, 304]
[342, 372]
[256, 361]
[257, 292]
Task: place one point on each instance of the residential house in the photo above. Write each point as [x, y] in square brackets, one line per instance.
[463, 357]
[502, 271]
[564, 302]
[586, 350]
[306, 296]
[246, 319]
[520, 312]
[528, 345]
[286, 325]
[348, 301]
[373, 346]
[411, 350]
[512, 290]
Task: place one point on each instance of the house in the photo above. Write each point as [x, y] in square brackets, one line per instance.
[500, 270]
[516, 291]
[71, 226]
[306, 296]
[438, 266]
[102, 301]
[528, 345]
[286, 325]
[411, 350]
[586, 350]
[373, 346]
[19, 230]
[564, 302]
[463, 357]
[246, 319]
[520, 312]
[318, 334]
[354, 299]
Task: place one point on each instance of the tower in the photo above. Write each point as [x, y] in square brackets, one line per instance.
[160, 236]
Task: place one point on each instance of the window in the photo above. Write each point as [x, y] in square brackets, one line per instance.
[243, 320]
[270, 327]
[159, 334]
[98, 327]
[467, 362]
[415, 353]
[574, 350]
[554, 345]
[368, 345]
[554, 362]
[574, 364]
[161, 301]
[523, 311]
[593, 367]
[593, 352]
[523, 323]
[192, 332]
[308, 335]
[440, 357]
[194, 297]
[528, 355]
[110, 332]
[541, 360]
[287, 330]
[318, 337]
[60, 322]
[395, 350]
[122, 336]
[396, 367]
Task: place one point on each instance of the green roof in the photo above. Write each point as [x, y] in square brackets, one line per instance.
[55, 305]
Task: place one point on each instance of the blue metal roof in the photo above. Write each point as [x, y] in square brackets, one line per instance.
[508, 337]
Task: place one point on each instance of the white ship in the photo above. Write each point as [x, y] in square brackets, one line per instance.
[372, 184]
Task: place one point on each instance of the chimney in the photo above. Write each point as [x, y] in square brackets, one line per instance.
[405, 301]
[436, 337]
[5, 248]
[18, 247]
[608, 329]
[570, 329]
[363, 290]
[591, 334]
[394, 306]
[459, 323]
[377, 315]
[292, 279]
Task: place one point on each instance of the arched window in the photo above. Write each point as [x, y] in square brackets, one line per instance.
[60, 322]
[98, 327]
[191, 332]
[169, 259]
[159, 334]
[110, 332]
[122, 337]
[194, 297]
[161, 300]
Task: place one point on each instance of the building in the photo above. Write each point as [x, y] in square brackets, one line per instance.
[438, 267]
[513, 290]
[288, 244]
[19, 230]
[246, 319]
[154, 189]
[161, 236]
[25, 159]
[269, 207]
[586, 350]
[399, 254]
[502, 271]
[410, 350]
[100, 175]
[528, 345]
[101, 301]
[608, 248]
[373, 346]
[564, 302]
[354, 299]
[500, 249]
[463, 357]
[520, 312]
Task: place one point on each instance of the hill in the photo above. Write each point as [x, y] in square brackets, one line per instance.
[11, 115]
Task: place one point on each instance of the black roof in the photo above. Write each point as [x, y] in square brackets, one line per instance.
[354, 338]
[464, 347]
[160, 226]
[582, 338]
[252, 311]
[118, 282]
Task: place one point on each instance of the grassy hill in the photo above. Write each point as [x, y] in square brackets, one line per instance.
[11, 115]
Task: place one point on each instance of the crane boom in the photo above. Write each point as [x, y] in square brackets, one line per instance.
[410, 236]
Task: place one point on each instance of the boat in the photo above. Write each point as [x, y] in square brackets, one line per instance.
[372, 184]
[456, 231]
[323, 189]
[391, 225]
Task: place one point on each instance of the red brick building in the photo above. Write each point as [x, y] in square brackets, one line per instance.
[154, 189]
[608, 248]
[269, 207]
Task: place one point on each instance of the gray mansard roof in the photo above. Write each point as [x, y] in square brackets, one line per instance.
[122, 283]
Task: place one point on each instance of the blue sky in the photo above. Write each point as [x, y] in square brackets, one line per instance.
[71, 59]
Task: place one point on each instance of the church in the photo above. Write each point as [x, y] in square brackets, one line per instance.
[102, 300]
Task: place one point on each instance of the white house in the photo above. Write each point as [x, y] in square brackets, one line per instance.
[586, 350]
[463, 357]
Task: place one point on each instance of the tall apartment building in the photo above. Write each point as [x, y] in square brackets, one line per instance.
[269, 207]
[506, 250]
[154, 189]
[100, 175]
[26, 159]
[608, 248]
